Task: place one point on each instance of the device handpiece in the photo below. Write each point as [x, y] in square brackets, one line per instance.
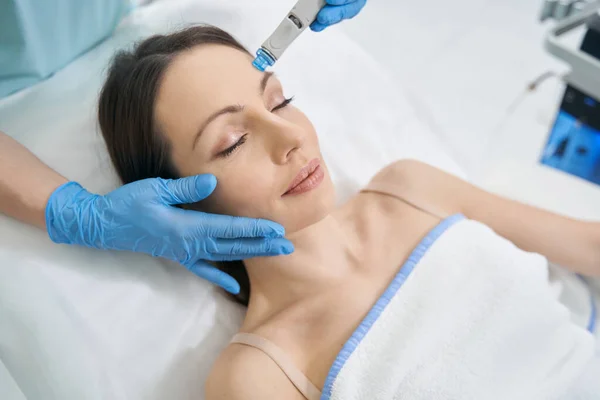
[295, 22]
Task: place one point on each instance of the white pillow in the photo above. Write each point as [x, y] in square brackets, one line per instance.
[77, 323]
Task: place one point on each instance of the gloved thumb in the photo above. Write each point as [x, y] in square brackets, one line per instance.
[188, 190]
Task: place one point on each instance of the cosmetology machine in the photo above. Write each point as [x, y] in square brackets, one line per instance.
[573, 145]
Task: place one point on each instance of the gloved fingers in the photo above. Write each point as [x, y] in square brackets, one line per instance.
[342, 2]
[331, 15]
[317, 27]
[239, 249]
[187, 190]
[228, 227]
[213, 275]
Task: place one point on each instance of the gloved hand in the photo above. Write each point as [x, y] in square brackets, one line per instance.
[335, 11]
[139, 217]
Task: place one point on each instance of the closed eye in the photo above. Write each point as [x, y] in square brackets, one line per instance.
[284, 104]
[229, 151]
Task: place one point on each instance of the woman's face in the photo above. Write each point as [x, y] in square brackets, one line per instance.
[224, 117]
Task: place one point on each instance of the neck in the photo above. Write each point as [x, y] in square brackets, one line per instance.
[324, 254]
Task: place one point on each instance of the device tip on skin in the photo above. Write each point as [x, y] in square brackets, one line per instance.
[263, 60]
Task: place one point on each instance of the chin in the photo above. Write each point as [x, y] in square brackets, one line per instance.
[309, 208]
[303, 220]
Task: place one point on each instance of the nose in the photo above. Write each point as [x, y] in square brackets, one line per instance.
[282, 138]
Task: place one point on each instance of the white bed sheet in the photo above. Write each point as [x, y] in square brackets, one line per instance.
[77, 323]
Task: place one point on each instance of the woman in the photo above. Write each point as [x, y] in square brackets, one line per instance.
[191, 103]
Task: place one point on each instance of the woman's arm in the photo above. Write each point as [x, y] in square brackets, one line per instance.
[26, 183]
[565, 241]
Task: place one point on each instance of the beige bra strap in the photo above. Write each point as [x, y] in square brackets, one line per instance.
[298, 379]
[397, 191]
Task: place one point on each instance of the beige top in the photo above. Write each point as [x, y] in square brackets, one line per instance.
[298, 379]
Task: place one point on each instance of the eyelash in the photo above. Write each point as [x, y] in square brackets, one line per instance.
[285, 103]
[229, 151]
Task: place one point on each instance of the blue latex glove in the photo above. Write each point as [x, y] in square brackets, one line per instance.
[336, 11]
[139, 217]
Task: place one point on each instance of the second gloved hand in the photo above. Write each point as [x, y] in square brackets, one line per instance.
[140, 217]
[336, 11]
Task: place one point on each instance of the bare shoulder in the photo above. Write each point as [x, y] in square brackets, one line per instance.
[402, 166]
[245, 373]
[425, 185]
[411, 172]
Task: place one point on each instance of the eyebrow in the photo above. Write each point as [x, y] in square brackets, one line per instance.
[232, 109]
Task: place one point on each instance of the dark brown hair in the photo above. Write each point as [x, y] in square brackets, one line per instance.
[137, 148]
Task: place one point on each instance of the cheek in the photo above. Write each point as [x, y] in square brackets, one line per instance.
[244, 193]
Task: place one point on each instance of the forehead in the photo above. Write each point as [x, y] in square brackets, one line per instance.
[210, 73]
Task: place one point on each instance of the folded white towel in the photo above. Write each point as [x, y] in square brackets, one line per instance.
[469, 316]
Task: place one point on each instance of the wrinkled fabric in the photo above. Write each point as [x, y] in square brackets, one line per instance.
[37, 38]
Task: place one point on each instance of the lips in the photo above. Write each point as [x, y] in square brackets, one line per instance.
[307, 179]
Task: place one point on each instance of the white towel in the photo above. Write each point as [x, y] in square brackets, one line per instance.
[469, 316]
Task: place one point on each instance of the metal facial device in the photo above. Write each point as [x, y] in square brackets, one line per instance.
[295, 22]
